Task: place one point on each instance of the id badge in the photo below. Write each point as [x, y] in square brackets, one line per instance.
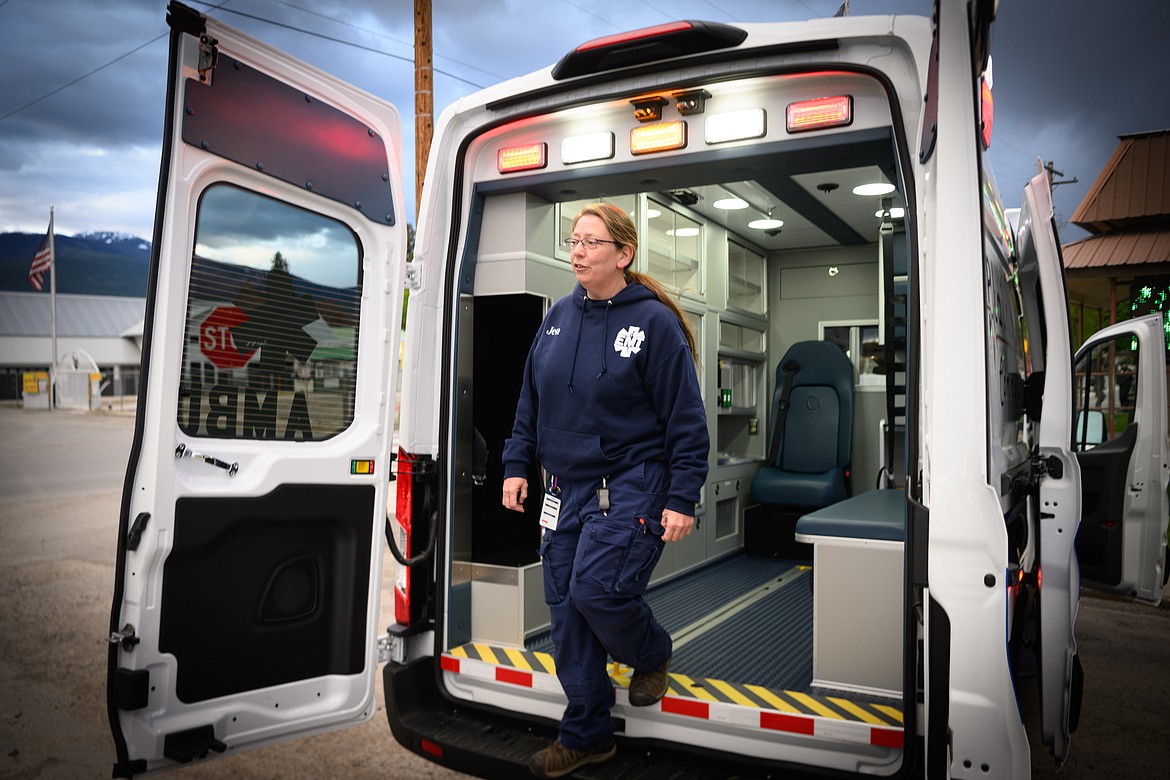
[550, 510]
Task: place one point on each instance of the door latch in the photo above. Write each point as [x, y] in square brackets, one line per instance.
[126, 638]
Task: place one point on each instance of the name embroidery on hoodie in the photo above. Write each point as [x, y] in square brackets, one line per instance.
[629, 341]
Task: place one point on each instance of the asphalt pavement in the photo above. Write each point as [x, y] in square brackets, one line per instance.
[60, 483]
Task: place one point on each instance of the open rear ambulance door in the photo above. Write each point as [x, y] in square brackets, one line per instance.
[1119, 434]
[249, 560]
[1056, 510]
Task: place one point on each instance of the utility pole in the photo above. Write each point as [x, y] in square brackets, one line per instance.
[424, 99]
[1050, 168]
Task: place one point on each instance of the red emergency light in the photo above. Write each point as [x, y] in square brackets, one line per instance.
[820, 113]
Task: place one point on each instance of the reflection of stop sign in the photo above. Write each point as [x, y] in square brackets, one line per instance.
[215, 338]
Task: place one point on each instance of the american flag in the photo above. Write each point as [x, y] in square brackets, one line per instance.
[42, 260]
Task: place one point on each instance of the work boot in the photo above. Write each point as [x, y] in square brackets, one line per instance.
[557, 760]
[648, 688]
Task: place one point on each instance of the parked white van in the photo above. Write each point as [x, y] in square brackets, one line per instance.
[910, 480]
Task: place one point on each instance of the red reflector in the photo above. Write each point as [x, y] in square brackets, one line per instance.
[689, 707]
[449, 664]
[820, 113]
[403, 507]
[430, 747]
[522, 158]
[514, 676]
[635, 35]
[891, 738]
[778, 721]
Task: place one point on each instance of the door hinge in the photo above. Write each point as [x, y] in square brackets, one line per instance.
[412, 277]
[1046, 466]
[208, 55]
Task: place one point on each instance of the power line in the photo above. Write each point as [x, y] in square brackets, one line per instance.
[379, 35]
[342, 42]
[47, 95]
[219, 7]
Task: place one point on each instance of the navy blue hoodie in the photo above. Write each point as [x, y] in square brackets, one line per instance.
[608, 385]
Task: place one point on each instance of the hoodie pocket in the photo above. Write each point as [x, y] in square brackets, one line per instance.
[569, 452]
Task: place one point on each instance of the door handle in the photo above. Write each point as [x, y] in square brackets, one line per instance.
[182, 451]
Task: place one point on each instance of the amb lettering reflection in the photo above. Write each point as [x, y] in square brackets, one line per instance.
[293, 349]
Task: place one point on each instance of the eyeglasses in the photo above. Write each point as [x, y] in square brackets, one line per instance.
[588, 243]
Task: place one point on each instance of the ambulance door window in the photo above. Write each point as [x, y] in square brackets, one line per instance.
[1104, 392]
[272, 321]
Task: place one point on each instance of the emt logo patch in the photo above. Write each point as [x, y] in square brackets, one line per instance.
[629, 341]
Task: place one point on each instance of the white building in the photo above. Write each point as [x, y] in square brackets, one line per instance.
[107, 328]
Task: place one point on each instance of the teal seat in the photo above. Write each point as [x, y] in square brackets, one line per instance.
[809, 466]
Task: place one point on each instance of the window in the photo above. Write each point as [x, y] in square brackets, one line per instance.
[860, 342]
[1105, 392]
[272, 321]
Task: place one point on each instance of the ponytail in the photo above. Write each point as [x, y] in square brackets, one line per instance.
[652, 284]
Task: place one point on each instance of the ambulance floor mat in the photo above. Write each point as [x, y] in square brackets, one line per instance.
[741, 619]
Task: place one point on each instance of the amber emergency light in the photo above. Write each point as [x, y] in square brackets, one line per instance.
[660, 137]
[528, 157]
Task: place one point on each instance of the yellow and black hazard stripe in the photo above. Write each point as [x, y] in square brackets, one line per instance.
[797, 712]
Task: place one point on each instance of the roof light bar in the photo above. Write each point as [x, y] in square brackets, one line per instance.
[660, 137]
[820, 113]
[736, 125]
[528, 157]
[588, 147]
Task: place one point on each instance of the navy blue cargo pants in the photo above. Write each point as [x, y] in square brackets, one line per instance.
[596, 566]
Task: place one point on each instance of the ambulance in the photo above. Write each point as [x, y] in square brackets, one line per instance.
[797, 186]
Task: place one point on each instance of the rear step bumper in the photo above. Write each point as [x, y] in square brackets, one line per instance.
[498, 745]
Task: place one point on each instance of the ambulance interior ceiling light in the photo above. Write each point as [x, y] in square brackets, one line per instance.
[897, 212]
[875, 188]
[767, 223]
[736, 201]
[588, 147]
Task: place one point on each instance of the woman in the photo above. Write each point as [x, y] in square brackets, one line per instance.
[610, 409]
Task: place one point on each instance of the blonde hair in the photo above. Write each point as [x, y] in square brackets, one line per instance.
[622, 228]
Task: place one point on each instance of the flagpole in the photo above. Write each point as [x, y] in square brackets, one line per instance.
[53, 309]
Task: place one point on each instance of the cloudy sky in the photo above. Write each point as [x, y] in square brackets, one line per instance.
[82, 87]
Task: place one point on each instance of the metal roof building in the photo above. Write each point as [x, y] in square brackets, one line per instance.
[1128, 212]
[107, 328]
